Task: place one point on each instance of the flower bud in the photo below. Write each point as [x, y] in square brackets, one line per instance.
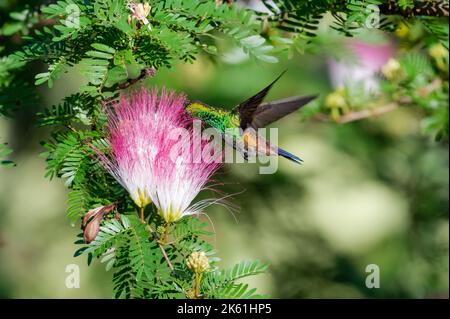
[403, 30]
[160, 229]
[143, 10]
[392, 69]
[335, 99]
[437, 51]
[140, 11]
[91, 221]
[198, 262]
[440, 55]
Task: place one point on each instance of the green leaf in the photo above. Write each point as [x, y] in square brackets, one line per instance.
[103, 48]
[222, 284]
[4, 152]
[77, 205]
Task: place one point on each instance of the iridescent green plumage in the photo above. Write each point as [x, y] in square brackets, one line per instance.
[219, 119]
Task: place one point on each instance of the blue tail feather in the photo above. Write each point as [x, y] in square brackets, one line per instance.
[290, 156]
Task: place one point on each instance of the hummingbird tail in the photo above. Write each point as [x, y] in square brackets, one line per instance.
[289, 156]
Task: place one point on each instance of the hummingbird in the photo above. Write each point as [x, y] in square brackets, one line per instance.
[239, 126]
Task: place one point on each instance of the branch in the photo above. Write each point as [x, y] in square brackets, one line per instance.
[367, 113]
[166, 257]
[144, 73]
[436, 8]
[43, 23]
[356, 116]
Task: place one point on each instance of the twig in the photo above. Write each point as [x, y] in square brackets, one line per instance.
[437, 8]
[144, 73]
[142, 214]
[356, 116]
[164, 235]
[155, 237]
[166, 257]
[44, 23]
[367, 113]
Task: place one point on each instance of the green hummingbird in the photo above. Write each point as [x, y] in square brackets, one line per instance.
[239, 126]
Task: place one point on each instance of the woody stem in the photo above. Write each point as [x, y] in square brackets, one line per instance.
[197, 280]
[163, 251]
[141, 214]
[164, 235]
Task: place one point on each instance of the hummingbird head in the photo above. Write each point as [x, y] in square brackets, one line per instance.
[211, 116]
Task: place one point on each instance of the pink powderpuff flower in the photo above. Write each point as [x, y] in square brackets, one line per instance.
[362, 67]
[149, 161]
[180, 173]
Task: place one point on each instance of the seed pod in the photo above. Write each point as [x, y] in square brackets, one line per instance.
[91, 221]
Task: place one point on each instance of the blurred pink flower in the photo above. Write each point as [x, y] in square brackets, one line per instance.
[149, 159]
[140, 12]
[362, 66]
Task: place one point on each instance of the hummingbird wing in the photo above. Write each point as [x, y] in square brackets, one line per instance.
[272, 111]
[247, 108]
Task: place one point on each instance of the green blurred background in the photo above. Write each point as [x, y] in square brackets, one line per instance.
[369, 192]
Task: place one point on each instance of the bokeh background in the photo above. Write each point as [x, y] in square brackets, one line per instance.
[370, 192]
